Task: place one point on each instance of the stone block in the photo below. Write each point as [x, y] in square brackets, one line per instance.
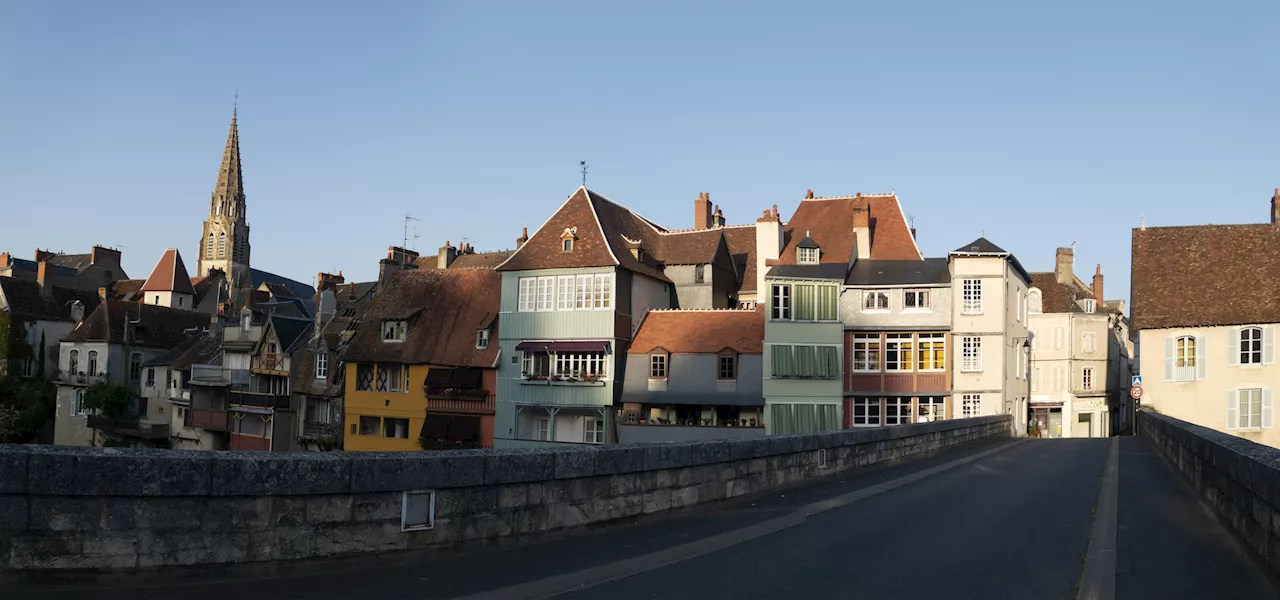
[14, 514]
[685, 496]
[329, 509]
[513, 496]
[575, 463]
[280, 474]
[657, 501]
[565, 514]
[69, 551]
[382, 506]
[742, 449]
[282, 544]
[288, 512]
[621, 485]
[359, 538]
[709, 491]
[62, 513]
[708, 453]
[488, 526]
[192, 548]
[460, 502]
[237, 514]
[531, 519]
[396, 471]
[536, 494]
[518, 466]
[164, 514]
[13, 469]
[118, 472]
[612, 460]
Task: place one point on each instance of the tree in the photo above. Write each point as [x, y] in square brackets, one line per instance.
[108, 399]
[10, 431]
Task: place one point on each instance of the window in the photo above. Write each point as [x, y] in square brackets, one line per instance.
[658, 366]
[728, 367]
[135, 366]
[593, 430]
[1249, 409]
[544, 429]
[1038, 382]
[593, 291]
[222, 245]
[208, 246]
[482, 339]
[1184, 358]
[151, 376]
[602, 292]
[915, 300]
[1090, 343]
[271, 348]
[180, 299]
[1033, 301]
[971, 405]
[73, 363]
[392, 331]
[781, 361]
[77, 404]
[807, 256]
[898, 352]
[897, 411]
[369, 425]
[828, 363]
[417, 510]
[971, 354]
[528, 287]
[1088, 379]
[546, 294]
[395, 428]
[580, 364]
[564, 292]
[364, 378]
[866, 352]
[93, 362]
[536, 364]
[1059, 338]
[389, 378]
[567, 244]
[781, 302]
[1090, 305]
[28, 367]
[933, 352]
[875, 301]
[700, 274]
[866, 411]
[1251, 346]
[931, 408]
[322, 364]
[971, 290]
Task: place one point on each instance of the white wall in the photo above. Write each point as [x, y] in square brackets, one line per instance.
[647, 294]
[1002, 328]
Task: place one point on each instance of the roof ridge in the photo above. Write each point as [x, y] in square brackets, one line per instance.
[1258, 225]
[680, 231]
[676, 310]
[893, 194]
[656, 227]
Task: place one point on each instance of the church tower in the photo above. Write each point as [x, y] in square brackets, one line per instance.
[224, 241]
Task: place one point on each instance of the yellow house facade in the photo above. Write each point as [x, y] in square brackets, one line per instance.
[384, 407]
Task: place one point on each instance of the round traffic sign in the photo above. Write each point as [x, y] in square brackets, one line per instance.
[1136, 392]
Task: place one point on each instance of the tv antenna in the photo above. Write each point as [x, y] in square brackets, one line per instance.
[405, 242]
[582, 164]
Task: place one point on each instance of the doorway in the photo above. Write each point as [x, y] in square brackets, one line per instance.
[1083, 426]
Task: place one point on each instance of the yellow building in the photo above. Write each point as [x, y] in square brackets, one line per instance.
[384, 409]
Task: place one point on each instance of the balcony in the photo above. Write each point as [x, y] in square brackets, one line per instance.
[216, 376]
[468, 401]
[249, 442]
[272, 364]
[130, 427]
[258, 400]
[213, 420]
[82, 379]
[315, 431]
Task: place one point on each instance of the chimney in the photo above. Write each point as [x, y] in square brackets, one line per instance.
[769, 238]
[44, 278]
[717, 220]
[702, 211]
[77, 311]
[105, 292]
[913, 234]
[808, 194]
[328, 281]
[1275, 207]
[327, 305]
[41, 255]
[862, 231]
[524, 237]
[104, 256]
[5, 260]
[1064, 267]
[1097, 285]
[446, 255]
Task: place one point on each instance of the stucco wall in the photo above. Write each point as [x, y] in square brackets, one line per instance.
[692, 379]
[937, 317]
[82, 508]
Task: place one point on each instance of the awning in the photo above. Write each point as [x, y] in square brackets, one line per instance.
[438, 377]
[464, 429]
[435, 427]
[532, 346]
[461, 377]
[589, 346]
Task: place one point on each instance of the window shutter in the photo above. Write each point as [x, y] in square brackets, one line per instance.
[1202, 357]
[1168, 358]
[1233, 418]
[1268, 344]
[1266, 408]
[1233, 347]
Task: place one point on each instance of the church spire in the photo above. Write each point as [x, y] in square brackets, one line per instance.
[228, 193]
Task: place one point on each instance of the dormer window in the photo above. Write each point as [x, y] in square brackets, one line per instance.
[567, 238]
[568, 244]
[808, 256]
[1090, 305]
[394, 331]
[482, 339]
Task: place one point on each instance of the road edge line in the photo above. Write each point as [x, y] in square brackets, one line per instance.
[1098, 579]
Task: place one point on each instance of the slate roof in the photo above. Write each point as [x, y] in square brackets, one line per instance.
[170, 275]
[336, 335]
[162, 327]
[32, 266]
[482, 260]
[444, 309]
[290, 331]
[299, 289]
[700, 331]
[984, 246]
[71, 261]
[195, 349]
[25, 300]
[829, 222]
[355, 291]
[818, 271]
[929, 271]
[742, 246]
[1205, 275]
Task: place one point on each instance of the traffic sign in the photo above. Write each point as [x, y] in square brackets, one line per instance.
[1137, 381]
[1136, 392]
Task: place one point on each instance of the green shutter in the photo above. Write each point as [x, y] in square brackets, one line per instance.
[828, 417]
[806, 361]
[828, 363]
[827, 303]
[781, 416]
[804, 302]
[782, 363]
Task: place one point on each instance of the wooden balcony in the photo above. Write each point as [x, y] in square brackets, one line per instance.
[258, 400]
[214, 420]
[478, 402]
[270, 364]
[130, 427]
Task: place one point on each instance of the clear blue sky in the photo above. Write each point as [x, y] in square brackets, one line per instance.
[1041, 125]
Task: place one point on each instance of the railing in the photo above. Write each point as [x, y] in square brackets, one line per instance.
[130, 427]
[214, 375]
[483, 405]
[215, 420]
[258, 400]
[313, 431]
[270, 362]
[82, 379]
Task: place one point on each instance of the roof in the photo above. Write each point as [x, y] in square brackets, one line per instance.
[25, 300]
[1176, 270]
[829, 222]
[127, 289]
[1061, 297]
[290, 331]
[355, 291]
[299, 289]
[23, 264]
[688, 247]
[446, 308]
[742, 246]
[700, 331]
[984, 246]
[483, 260]
[335, 335]
[899, 272]
[170, 275]
[818, 271]
[279, 290]
[195, 349]
[71, 261]
[161, 326]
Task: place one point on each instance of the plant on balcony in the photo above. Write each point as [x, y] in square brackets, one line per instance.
[451, 392]
[108, 399]
[591, 377]
[531, 377]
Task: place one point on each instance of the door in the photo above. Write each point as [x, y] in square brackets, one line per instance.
[1055, 423]
[1084, 426]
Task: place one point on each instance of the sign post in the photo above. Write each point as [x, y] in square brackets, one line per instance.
[1137, 381]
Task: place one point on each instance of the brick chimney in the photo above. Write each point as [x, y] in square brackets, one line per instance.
[5, 260]
[41, 255]
[717, 219]
[329, 281]
[104, 256]
[1275, 207]
[447, 254]
[808, 194]
[44, 278]
[524, 237]
[1064, 267]
[1097, 285]
[702, 211]
[862, 231]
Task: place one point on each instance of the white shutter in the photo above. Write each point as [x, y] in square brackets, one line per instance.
[1233, 347]
[1202, 357]
[1266, 408]
[1269, 344]
[1233, 418]
[1168, 358]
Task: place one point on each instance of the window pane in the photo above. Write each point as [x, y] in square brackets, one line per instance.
[369, 425]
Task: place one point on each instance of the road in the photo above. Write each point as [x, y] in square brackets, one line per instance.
[992, 521]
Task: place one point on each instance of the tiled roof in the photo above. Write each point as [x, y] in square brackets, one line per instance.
[444, 309]
[127, 289]
[981, 245]
[688, 247]
[483, 260]
[25, 300]
[194, 349]
[829, 221]
[170, 275]
[700, 331]
[1060, 298]
[899, 272]
[1205, 275]
[72, 261]
[335, 336]
[161, 327]
[742, 246]
[299, 289]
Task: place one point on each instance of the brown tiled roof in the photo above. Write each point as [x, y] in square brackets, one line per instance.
[829, 221]
[1060, 298]
[162, 327]
[742, 245]
[688, 247]
[25, 300]
[700, 331]
[194, 349]
[127, 289]
[427, 262]
[483, 260]
[1205, 275]
[337, 334]
[444, 308]
[170, 275]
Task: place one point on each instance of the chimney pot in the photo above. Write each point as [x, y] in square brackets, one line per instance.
[1097, 285]
[808, 194]
[702, 211]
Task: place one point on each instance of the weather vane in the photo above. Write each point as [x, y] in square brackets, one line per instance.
[582, 164]
[235, 103]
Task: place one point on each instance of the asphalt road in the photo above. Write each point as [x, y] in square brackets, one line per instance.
[991, 521]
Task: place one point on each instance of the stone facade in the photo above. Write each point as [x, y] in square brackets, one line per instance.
[100, 508]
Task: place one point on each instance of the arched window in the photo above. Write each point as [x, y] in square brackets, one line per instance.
[93, 362]
[208, 246]
[222, 244]
[1251, 346]
[73, 366]
[1034, 305]
[77, 408]
[135, 366]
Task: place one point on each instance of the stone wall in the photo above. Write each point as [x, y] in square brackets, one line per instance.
[1238, 479]
[109, 509]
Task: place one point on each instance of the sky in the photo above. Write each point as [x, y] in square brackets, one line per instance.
[1037, 124]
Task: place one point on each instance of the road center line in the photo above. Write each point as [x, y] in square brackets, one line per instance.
[1098, 581]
